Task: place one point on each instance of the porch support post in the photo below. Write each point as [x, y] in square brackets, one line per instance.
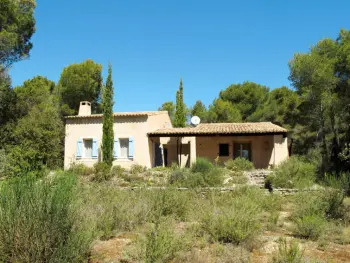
[193, 150]
[161, 147]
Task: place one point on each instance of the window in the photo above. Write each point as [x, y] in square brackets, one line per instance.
[242, 150]
[87, 150]
[124, 148]
[224, 149]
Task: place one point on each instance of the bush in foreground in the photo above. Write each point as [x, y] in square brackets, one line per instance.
[39, 221]
[239, 164]
[311, 227]
[293, 173]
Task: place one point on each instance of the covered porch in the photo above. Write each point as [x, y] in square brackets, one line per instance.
[264, 144]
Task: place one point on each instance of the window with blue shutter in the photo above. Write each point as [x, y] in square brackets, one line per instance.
[79, 149]
[94, 148]
[115, 148]
[131, 147]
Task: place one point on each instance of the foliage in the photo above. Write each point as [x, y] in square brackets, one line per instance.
[80, 169]
[32, 93]
[17, 27]
[288, 253]
[295, 172]
[239, 164]
[235, 221]
[202, 165]
[170, 108]
[80, 82]
[341, 182]
[108, 120]
[7, 100]
[137, 169]
[54, 231]
[202, 174]
[161, 243]
[102, 172]
[199, 110]
[245, 97]
[2, 162]
[117, 171]
[38, 141]
[223, 111]
[310, 227]
[180, 109]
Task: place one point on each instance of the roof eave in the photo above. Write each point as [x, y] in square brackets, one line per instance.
[216, 134]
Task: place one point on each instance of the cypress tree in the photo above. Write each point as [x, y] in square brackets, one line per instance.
[107, 108]
[180, 112]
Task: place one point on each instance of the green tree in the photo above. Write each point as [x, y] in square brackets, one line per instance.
[108, 120]
[223, 111]
[199, 110]
[7, 100]
[321, 78]
[180, 111]
[33, 92]
[170, 108]
[17, 25]
[245, 97]
[38, 140]
[80, 82]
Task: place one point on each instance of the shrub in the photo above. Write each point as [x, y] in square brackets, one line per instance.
[39, 221]
[169, 202]
[293, 173]
[311, 227]
[239, 164]
[102, 172]
[161, 243]
[288, 253]
[214, 177]
[137, 169]
[236, 222]
[341, 182]
[239, 179]
[80, 169]
[202, 165]
[118, 171]
[2, 162]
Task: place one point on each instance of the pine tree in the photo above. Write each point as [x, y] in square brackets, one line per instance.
[107, 105]
[180, 112]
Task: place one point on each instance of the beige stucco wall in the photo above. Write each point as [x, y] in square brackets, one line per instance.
[124, 127]
[267, 150]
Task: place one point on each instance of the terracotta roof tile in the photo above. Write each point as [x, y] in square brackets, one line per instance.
[222, 128]
[121, 114]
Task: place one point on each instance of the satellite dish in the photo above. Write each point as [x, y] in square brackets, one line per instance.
[195, 120]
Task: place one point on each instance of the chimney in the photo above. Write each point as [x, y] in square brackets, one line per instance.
[84, 108]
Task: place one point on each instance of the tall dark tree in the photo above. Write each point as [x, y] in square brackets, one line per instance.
[107, 108]
[80, 82]
[17, 25]
[180, 111]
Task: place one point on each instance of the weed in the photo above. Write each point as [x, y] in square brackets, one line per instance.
[102, 172]
[239, 164]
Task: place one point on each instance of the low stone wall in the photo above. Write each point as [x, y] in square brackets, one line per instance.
[257, 177]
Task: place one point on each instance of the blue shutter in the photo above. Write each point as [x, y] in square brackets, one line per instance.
[115, 148]
[131, 147]
[79, 148]
[94, 148]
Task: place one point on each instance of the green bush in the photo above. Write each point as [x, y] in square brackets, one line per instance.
[214, 177]
[40, 222]
[293, 173]
[288, 253]
[81, 169]
[311, 227]
[202, 165]
[169, 202]
[239, 164]
[235, 222]
[117, 171]
[161, 243]
[2, 163]
[137, 169]
[341, 182]
[239, 179]
[102, 172]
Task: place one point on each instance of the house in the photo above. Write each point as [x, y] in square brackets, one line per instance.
[148, 139]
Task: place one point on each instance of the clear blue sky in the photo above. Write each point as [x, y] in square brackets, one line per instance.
[151, 44]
